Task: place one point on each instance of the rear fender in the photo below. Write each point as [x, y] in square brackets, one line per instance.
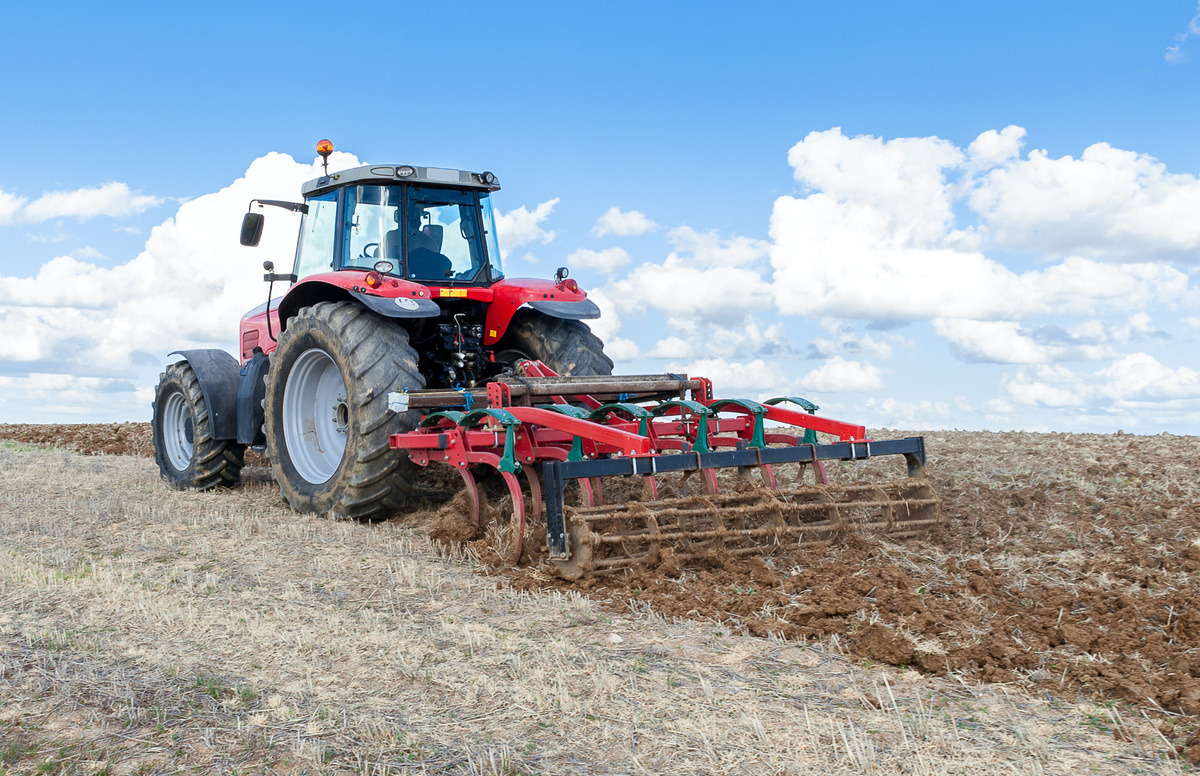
[217, 372]
[396, 298]
[251, 389]
[545, 296]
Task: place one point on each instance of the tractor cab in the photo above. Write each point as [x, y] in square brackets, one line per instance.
[425, 225]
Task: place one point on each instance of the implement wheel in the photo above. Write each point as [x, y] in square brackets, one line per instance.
[567, 347]
[326, 418]
[184, 448]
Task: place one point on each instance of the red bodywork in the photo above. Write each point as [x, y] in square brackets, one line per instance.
[503, 298]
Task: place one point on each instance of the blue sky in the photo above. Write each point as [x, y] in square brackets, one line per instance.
[922, 214]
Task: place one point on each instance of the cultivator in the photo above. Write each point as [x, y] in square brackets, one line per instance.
[671, 432]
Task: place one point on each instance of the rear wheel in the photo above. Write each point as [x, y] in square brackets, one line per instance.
[326, 418]
[567, 347]
[184, 448]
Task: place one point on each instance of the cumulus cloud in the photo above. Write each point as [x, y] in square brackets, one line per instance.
[607, 261]
[896, 413]
[843, 339]
[1109, 204]
[115, 200]
[710, 249]
[1131, 378]
[757, 378]
[187, 288]
[626, 224]
[878, 237]
[608, 326]
[1007, 342]
[522, 226]
[837, 375]
[707, 277]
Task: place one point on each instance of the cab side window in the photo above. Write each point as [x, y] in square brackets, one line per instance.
[315, 251]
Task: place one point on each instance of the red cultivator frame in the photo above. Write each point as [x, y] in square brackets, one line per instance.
[586, 428]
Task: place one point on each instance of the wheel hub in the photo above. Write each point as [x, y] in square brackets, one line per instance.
[316, 416]
[177, 431]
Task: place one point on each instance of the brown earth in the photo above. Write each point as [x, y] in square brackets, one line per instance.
[1068, 564]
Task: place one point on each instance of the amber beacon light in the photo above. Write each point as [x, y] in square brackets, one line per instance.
[325, 148]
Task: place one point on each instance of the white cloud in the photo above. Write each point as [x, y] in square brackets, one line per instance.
[49, 397]
[607, 326]
[895, 413]
[747, 339]
[1007, 342]
[1109, 204]
[607, 261]
[626, 224]
[704, 278]
[1175, 55]
[993, 148]
[672, 347]
[522, 226]
[115, 200]
[878, 238]
[755, 379]
[897, 184]
[188, 287]
[844, 340]
[837, 375]
[1132, 378]
[681, 290]
[709, 249]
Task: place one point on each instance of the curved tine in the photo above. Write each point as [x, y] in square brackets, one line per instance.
[585, 490]
[710, 482]
[819, 472]
[768, 475]
[650, 486]
[517, 524]
[472, 496]
[597, 490]
[535, 495]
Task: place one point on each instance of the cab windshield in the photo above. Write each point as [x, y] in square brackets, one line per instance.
[429, 234]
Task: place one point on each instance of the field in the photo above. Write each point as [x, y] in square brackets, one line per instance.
[1048, 627]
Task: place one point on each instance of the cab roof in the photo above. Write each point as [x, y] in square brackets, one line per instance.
[402, 173]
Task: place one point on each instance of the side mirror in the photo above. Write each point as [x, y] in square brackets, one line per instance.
[252, 228]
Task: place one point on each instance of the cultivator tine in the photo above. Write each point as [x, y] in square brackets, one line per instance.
[473, 498]
[759, 522]
[516, 525]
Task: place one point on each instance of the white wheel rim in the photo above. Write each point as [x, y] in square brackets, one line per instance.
[177, 431]
[315, 416]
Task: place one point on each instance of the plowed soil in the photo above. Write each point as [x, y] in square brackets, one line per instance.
[1069, 564]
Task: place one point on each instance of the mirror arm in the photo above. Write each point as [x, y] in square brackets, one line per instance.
[295, 207]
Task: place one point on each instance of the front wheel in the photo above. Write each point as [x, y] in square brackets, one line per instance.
[184, 448]
[568, 347]
[325, 413]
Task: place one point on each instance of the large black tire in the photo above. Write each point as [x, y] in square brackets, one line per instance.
[184, 448]
[307, 418]
[567, 347]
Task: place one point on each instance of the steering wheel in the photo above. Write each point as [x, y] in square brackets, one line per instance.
[367, 254]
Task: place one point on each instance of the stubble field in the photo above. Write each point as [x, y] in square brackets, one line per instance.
[1048, 627]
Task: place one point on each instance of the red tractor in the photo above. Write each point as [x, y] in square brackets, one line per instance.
[397, 287]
